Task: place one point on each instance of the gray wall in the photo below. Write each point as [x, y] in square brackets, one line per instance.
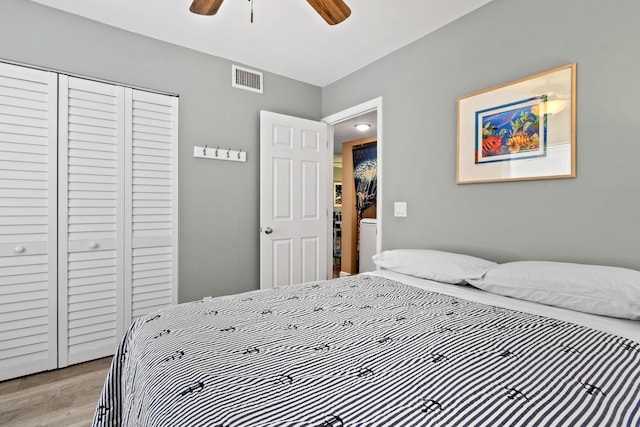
[219, 241]
[594, 218]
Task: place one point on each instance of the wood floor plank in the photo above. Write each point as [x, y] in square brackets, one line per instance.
[65, 397]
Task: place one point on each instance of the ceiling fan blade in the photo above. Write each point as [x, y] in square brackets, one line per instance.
[332, 11]
[205, 7]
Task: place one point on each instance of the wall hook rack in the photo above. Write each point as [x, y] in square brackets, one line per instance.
[217, 153]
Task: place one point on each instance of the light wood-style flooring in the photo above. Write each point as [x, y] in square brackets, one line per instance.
[64, 397]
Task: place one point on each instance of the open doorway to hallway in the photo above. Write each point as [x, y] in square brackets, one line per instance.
[355, 201]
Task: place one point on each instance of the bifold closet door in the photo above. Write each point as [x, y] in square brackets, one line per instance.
[88, 215]
[117, 213]
[91, 219]
[28, 313]
[151, 246]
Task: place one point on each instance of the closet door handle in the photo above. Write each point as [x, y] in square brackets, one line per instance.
[19, 249]
[268, 230]
[93, 245]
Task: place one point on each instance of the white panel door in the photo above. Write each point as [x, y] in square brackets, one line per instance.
[151, 240]
[91, 219]
[28, 120]
[294, 184]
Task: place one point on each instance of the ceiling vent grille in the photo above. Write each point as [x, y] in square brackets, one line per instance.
[246, 79]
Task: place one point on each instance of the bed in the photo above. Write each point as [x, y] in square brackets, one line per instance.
[378, 349]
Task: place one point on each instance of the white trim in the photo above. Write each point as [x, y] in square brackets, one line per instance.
[82, 76]
[175, 103]
[63, 226]
[127, 257]
[52, 244]
[334, 119]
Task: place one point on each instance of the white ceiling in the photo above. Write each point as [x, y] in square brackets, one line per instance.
[346, 130]
[287, 36]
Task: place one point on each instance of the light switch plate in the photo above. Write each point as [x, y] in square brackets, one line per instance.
[400, 209]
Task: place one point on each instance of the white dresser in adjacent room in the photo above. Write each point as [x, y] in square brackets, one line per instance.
[368, 231]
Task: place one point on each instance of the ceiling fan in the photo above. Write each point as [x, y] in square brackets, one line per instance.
[332, 11]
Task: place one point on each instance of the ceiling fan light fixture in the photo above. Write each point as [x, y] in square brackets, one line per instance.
[332, 11]
[362, 127]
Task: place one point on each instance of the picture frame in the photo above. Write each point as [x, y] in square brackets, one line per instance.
[337, 194]
[522, 130]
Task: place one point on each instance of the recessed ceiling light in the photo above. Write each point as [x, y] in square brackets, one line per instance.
[363, 126]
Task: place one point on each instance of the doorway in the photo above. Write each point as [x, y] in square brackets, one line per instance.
[345, 231]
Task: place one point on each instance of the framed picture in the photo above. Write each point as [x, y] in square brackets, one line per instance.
[337, 194]
[521, 130]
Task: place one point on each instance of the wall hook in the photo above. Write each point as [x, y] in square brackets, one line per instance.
[216, 154]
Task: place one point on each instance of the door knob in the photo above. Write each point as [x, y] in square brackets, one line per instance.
[268, 230]
[19, 249]
[93, 245]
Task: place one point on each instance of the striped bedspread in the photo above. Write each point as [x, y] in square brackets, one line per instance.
[368, 352]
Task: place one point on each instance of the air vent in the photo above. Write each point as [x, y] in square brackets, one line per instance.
[246, 79]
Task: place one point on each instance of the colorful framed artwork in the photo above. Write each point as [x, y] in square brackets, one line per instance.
[522, 130]
[337, 194]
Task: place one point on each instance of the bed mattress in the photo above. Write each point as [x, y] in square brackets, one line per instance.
[623, 327]
[366, 351]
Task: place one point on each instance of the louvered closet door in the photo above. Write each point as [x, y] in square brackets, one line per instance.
[27, 221]
[151, 258]
[91, 215]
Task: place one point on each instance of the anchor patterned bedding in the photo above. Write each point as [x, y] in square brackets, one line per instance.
[366, 351]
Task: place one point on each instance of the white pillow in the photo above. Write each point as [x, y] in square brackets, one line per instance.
[609, 291]
[435, 265]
